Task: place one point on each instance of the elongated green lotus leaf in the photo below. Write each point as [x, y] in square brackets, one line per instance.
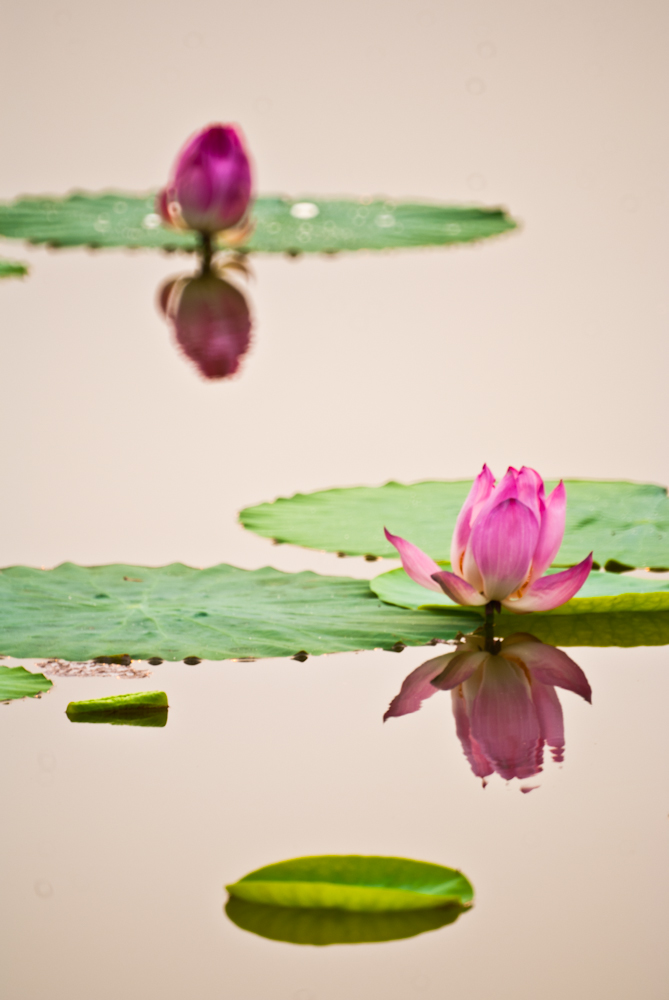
[17, 682]
[602, 592]
[12, 268]
[153, 718]
[355, 883]
[140, 702]
[617, 520]
[281, 225]
[324, 927]
[78, 613]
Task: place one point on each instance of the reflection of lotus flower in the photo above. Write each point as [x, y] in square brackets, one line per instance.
[211, 321]
[210, 187]
[505, 538]
[505, 704]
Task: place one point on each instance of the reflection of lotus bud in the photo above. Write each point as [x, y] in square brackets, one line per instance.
[211, 321]
[210, 187]
[505, 704]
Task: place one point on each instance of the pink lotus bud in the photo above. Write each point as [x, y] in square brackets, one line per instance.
[211, 322]
[505, 705]
[505, 538]
[210, 186]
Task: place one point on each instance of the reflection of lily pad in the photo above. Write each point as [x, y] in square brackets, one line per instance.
[624, 523]
[17, 682]
[355, 883]
[145, 708]
[281, 225]
[172, 612]
[323, 927]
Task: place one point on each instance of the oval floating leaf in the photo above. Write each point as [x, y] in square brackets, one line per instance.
[78, 613]
[602, 592]
[17, 682]
[354, 883]
[281, 225]
[144, 708]
[324, 927]
[622, 521]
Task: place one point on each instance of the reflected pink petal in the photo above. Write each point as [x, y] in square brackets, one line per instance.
[460, 668]
[417, 687]
[504, 721]
[417, 564]
[550, 665]
[551, 591]
[503, 543]
[457, 589]
[552, 531]
[549, 714]
[478, 761]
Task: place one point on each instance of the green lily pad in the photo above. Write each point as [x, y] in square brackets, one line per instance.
[144, 708]
[324, 927]
[78, 613]
[281, 225]
[601, 592]
[617, 520]
[354, 883]
[629, 628]
[12, 268]
[17, 682]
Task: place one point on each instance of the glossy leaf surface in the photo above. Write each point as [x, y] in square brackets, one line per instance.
[355, 883]
[282, 225]
[626, 522]
[324, 927]
[140, 702]
[17, 682]
[79, 613]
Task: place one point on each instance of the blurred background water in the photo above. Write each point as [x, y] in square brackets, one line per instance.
[546, 347]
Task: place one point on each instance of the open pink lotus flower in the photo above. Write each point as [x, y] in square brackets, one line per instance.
[210, 186]
[505, 538]
[211, 322]
[505, 704]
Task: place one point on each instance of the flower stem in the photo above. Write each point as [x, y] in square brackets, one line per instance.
[206, 252]
[489, 626]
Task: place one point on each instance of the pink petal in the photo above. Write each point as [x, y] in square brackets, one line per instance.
[416, 688]
[419, 566]
[549, 666]
[460, 668]
[503, 543]
[553, 590]
[549, 713]
[478, 761]
[531, 492]
[481, 489]
[456, 588]
[506, 489]
[552, 531]
[504, 722]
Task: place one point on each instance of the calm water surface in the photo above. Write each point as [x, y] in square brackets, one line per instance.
[117, 841]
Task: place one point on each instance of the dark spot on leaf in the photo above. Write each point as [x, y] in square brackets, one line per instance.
[155, 661]
[342, 555]
[99, 597]
[132, 579]
[301, 656]
[613, 566]
[595, 565]
[201, 614]
[124, 660]
[370, 558]
[398, 647]
[658, 569]
[192, 660]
